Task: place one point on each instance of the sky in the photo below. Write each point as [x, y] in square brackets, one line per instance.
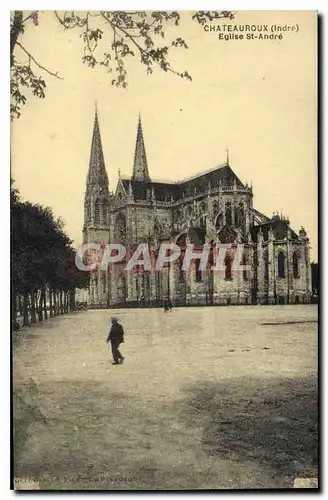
[256, 97]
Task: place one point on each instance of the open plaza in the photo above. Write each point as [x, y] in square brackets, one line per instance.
[207, 398]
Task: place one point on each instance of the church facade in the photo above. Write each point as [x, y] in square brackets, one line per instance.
[213, 208]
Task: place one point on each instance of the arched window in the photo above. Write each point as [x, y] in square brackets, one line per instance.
[121, 288]
[178, 215]
[97, 212]
[215, 207]
[120, 229]
[105, 211]
[266, 266]
[189, 212]
[296, 270]
[181, 242]
[88, 212]
[158, 284]
[245, 271]
[211, 257]
[239, 216]
[202, 207]
[198, 272]
[228, 267]
[281, 265]
[228, 212]
[203, 221]
[219, 222]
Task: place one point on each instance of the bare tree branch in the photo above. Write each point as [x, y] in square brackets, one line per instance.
[131, 33]
[36, 62]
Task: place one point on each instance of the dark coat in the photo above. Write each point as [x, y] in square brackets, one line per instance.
[116, 333]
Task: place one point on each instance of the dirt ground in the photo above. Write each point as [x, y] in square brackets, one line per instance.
[207, 398]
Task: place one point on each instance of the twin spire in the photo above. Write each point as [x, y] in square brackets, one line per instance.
[140, 167]
[97, 175]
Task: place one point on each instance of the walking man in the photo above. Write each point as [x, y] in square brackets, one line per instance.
[116, 337]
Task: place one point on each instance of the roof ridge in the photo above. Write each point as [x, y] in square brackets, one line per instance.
[181, 181]
[152, 181]
[204, 172]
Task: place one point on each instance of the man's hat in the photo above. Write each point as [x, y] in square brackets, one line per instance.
[113, 318]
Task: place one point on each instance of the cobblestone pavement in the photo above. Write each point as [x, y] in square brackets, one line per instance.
[221, 397]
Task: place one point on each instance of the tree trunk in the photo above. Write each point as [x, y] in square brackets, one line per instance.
[25, 309]
[51, 304]
[20, 305]
[66, 301]
[33, 311]
[72, 300]
[61, 303]
[55, 304]
[40, 305]
[45, 304]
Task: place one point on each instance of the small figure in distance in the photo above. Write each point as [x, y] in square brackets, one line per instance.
[166, 305]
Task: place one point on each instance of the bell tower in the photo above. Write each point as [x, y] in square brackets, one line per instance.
[96, 199]
[96, 215]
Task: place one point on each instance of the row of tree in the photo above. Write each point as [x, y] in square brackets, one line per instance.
[43, 270]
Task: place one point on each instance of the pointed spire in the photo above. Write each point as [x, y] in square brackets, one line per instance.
[97, 175]
[140, 167]
[227, 152]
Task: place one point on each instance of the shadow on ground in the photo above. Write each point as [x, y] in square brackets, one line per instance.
[242, 433]
[276, 323]
[274, 423]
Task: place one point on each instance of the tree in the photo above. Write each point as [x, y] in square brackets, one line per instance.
[110, 37]
[43, 263]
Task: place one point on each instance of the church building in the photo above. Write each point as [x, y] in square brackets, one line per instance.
[214, 208]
